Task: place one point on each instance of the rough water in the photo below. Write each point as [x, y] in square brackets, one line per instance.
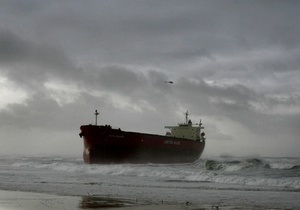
[252, 183]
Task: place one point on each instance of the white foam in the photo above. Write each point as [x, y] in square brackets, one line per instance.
[179, 172]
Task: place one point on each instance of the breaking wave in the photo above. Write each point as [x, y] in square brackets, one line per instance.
[235, 165]
[282, 173]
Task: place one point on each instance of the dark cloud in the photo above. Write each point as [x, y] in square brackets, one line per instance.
[30, 63]
[12, 49]
[121, 79]
[233, 63]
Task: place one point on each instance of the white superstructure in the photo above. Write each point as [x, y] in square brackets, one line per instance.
[187, 130]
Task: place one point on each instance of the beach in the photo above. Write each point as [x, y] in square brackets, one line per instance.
[16, 200]
[29, 200]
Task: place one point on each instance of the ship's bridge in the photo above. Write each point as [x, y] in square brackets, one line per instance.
[186, 130]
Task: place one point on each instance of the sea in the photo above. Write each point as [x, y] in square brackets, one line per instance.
[208, 183]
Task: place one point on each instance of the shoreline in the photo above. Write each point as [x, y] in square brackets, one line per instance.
[32, 200]
[17, 200]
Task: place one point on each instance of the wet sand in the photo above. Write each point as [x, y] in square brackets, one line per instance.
[16, 200]
[28, 200]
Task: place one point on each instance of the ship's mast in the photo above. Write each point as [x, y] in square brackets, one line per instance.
[200, 124]
[187, 117]
[96, 116]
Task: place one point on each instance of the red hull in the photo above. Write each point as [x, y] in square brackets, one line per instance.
[102, 144]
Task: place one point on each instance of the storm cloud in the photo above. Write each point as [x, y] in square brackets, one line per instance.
[234, 64]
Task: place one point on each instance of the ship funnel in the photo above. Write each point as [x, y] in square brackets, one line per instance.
[96, 116]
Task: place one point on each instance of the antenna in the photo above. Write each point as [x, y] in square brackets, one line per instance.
[96, 116]
[200, 124]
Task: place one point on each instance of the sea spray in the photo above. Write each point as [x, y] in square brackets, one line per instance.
[264, 182]
[267, 172]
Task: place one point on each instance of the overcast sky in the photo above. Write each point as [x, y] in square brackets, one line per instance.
[234, 64]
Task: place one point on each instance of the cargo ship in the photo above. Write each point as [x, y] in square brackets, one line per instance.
[182, 143]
